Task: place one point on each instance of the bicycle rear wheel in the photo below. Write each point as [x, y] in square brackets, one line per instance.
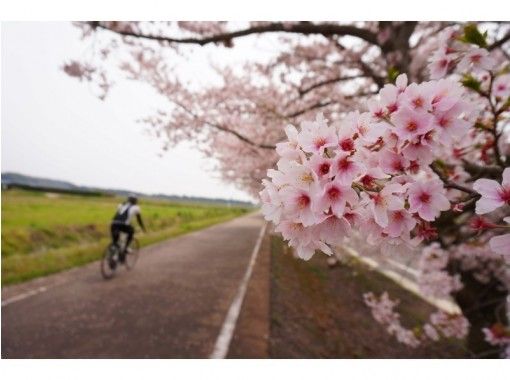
[132, 255]
[109, 262]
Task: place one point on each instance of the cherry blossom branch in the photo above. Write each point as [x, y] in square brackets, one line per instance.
[305, 28]
[494, 129]
[226, 129]
[450, 184]
[329, 81]
[366, 69]
[500, 42]
[322, 104]
[478, 171]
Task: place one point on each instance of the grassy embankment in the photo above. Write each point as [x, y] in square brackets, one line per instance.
[43, 233]
[331, 320]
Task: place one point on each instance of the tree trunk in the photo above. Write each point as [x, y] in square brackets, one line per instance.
[483, 305]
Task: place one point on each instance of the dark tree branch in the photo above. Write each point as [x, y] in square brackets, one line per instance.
[321, 104]
[478, 171]
[222, 128]
[309, 108]
[450, 184]
[366, 69]
[500, 42]
[325, 29]
[326, 82]
[239, 136]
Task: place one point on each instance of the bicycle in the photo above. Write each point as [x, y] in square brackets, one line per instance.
[110, 261]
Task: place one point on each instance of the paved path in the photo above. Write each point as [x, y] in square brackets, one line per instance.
[171, 306]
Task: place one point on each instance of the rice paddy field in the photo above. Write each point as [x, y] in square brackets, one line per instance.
[44, 233]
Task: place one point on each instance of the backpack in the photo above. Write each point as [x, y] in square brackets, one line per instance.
[121, 217]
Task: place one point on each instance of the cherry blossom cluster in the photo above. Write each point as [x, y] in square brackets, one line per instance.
[440, 324]
[484, 264]
[372, 171]
[433, 279]
[389, 173]
[454, 54]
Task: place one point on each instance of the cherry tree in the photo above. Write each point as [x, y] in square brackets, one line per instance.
[426, 167]
[418, 165]
[328, 67]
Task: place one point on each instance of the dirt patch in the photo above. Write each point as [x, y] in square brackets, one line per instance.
[318, 312]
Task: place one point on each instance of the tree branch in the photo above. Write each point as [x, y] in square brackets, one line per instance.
[328, 81]
[321, 104]
[500, 42]
[226, 129]
[325, 29]
[450, 184]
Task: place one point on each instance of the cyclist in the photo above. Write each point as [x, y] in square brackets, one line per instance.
[121, 222]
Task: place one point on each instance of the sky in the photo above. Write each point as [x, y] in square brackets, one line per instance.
[53, 126]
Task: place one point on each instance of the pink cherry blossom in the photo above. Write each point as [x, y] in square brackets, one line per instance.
[385, 200]
[476, 59]
[298, 203]
[497, 334]
[298, 175]
[391, 162]
[400, 222]
[316, 137]
[450, 325]
[416, 98]
[362, 126]
[439, 65]
[427, 199]
[289, 149]
[322, 166]
[333, 229]
[501, 244]
[272, 205]
[389, 94]
[306, 251]
[433, 258]
[346, 135]
[494, 195]
[501, 86]
[401, 83]
[336, 195]
[295, 232]
[450, 125]
[411, 123]
[445, 93]
[418, 151]
[346, 169]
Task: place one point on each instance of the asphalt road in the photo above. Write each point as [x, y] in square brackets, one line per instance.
[172, 305]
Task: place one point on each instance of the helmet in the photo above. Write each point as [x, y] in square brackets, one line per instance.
[132, 198]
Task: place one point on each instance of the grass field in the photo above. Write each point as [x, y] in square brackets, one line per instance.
[43, 233]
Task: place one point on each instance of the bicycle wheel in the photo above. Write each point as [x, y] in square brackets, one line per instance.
[132, 255]
[109, 262]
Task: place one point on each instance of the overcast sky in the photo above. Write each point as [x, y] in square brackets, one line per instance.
[53, 126]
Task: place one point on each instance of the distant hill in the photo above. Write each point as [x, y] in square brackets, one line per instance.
[10, 180]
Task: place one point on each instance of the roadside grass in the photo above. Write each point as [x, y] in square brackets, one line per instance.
[45, 233]
[318, 311]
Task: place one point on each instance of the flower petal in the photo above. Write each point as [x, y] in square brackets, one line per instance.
[485, 205]
[500, 244]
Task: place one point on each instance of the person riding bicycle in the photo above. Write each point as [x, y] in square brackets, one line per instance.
[121, 222]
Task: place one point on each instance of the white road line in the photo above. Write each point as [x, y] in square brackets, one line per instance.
[411, 271]
[222, 344]
[443, 304]
[22, 296]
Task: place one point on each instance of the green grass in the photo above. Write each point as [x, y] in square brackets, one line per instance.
[45, 233]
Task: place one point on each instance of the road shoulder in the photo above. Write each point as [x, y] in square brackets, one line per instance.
[251, 337]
